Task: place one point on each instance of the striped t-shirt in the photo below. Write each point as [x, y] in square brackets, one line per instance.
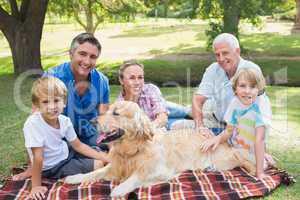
[245, 119]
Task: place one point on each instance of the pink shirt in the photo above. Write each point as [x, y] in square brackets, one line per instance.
[150, 100]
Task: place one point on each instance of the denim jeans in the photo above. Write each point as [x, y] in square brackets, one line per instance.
[216, 131]
[176, 112]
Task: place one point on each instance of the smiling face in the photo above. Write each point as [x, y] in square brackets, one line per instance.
[83, 60]
[50, 107]
[48, 95]
[246, 91]
[132, 82]
[227, 57]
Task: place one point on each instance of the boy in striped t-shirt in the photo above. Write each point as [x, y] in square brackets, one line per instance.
[246, 124]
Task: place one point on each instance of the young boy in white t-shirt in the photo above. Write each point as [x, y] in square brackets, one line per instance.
[46, 132]
[246, 122]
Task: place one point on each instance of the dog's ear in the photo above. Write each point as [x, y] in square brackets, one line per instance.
[143, 125]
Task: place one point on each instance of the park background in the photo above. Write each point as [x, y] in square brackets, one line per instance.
[171, 38]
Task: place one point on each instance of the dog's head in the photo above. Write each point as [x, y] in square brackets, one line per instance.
[124, 121]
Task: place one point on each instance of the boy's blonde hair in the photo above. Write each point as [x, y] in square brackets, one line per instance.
[254, 76]
[48, 86]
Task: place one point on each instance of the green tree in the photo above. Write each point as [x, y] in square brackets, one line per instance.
[225, 15]
[195, 6]
[22, 21]
[173, 8]
[22, 25]
[90, 13]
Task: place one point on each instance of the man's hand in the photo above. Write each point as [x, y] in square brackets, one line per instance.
[205, 131]
[38, 192]
[210, 143]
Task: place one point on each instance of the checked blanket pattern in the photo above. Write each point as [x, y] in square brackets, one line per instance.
[190, 185]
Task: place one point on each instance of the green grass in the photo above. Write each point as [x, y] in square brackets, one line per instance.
[283, 141]
[178, 58]
[272, 44]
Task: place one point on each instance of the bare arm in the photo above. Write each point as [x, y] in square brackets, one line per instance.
[161, 120]
[38, 191]
[88, 151]
[197, 109]
[260, 151]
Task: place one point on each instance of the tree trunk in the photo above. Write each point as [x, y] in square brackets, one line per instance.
[23, 32]
[296, 27]
[166, 4]
[89, 18]
[25, 47]
[231, 17]
[195, 4]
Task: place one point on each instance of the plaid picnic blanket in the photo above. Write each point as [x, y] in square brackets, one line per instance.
[233, 184]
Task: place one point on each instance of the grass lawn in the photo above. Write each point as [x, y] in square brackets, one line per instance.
[283, 142]
[173, 52]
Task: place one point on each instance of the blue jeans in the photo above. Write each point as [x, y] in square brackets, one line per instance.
[216, 131]
[176, 112]
[179, 112]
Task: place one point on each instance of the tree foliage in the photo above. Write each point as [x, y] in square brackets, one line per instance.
[90, 13]
[173, 8]
[225, 15]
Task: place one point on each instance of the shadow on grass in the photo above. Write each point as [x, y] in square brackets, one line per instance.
[180, 49]
[272, 44]
[152, 30]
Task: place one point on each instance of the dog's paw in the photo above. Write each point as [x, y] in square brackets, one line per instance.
[75, 179]
[118, 192]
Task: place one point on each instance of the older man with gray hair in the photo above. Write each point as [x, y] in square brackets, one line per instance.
[215, 92]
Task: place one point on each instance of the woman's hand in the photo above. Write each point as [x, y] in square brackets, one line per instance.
[38, 192]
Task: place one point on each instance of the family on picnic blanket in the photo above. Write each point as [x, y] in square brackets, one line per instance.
[230, 105]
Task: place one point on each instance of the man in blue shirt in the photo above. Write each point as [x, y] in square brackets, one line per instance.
[88, 89]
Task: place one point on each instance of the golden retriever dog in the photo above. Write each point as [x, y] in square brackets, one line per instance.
[142, 155]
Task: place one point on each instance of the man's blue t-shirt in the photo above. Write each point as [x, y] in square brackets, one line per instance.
[81, 109]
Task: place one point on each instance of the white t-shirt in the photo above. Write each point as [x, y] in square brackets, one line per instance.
[38, 133]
